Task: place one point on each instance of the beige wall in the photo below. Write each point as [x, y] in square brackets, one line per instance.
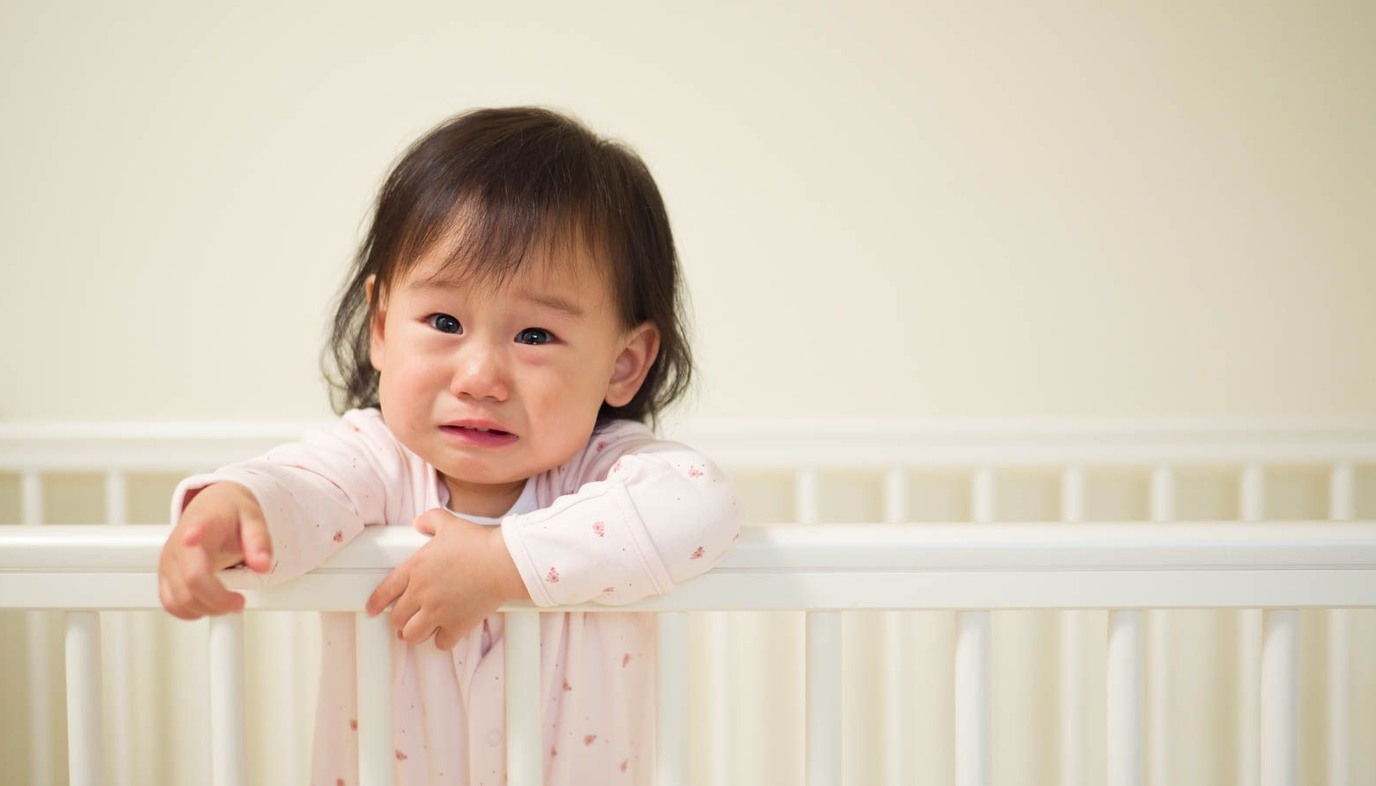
[883, 209]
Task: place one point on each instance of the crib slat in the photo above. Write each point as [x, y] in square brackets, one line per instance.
[823, 746]
[290, 755]
[117, 663]
[1125, 693]
[721, 662]
[116, 625]
[898, 690]
[1251, 504]
[228, 751]
[896, 495]
[672, 745]
[982, 496]
[1072, 627]
[1339, 708]
[1279, 689]
[806, 498]
[972, 699]
[1340, 508]
[85, 732]
[1162, 491]
[376, 752]
[38, 624]
[1158, 644]
[972, 663]
[1073, 494]
[898, 671]
[524, 743]
[824, 704]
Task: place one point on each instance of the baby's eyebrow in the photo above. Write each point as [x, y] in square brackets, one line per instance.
[548, 300]
[554, 303]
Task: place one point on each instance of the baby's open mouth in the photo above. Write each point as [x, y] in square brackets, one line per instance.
[479, 433]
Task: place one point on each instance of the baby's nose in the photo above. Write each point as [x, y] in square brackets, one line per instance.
[481, 374]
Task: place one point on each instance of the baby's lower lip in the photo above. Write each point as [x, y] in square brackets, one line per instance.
[472, 436]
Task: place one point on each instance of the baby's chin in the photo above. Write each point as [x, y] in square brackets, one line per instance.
[504, 470]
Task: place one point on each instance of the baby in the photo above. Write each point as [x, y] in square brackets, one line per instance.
[511, 327]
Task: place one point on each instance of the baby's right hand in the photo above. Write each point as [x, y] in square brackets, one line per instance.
[222, 526]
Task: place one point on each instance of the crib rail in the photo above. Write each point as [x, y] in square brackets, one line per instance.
[1135, 570]
[1279, 566]
[811, 568]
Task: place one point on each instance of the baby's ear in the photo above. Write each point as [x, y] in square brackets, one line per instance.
[377, 318]
[638, 353]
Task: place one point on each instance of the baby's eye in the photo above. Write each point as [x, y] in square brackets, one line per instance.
[534, 336]
[444, 323]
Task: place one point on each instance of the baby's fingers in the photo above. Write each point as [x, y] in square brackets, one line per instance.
[257, 544]
[420, 627]
[180, 601]
[447, 638]
[206, 588]
[389, 590]
[213, 596]
[178, 604]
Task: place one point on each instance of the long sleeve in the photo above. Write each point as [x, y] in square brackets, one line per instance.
[316, 494]
[643, 515]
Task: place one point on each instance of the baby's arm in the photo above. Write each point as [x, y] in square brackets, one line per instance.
[652, 514]
[647, 515]
[311, 497]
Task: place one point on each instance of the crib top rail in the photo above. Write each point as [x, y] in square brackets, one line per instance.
[751, 443]
[1290, 564]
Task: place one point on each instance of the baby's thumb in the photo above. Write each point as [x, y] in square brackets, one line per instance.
[429, 522]
[257, 544]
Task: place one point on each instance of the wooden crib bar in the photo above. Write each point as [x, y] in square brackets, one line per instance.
[85, 738]
[228, 751]
[373, 646]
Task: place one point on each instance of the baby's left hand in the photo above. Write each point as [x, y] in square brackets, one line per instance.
[451, 583]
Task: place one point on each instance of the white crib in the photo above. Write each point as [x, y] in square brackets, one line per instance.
[856, 653]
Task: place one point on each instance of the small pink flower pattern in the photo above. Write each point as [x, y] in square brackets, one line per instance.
[339, 536]
[353, 724]
[601, 445]
[553, 751]
[608, 590]
[694, 472]
[590, 739]
[567, 686]
[625, 658]
[600, 528]
[697, 554]
[624, 764]
[553, 576]
[401, 756]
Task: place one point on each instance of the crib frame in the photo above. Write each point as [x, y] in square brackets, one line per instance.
[822, 569]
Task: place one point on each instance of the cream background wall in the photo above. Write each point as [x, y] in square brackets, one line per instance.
[882, 209]
[888, 209]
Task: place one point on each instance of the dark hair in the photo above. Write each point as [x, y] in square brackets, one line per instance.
[495, 188]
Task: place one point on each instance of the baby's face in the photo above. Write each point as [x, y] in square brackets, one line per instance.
[492, 387]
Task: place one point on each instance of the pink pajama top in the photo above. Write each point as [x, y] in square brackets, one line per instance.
[627, 517]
